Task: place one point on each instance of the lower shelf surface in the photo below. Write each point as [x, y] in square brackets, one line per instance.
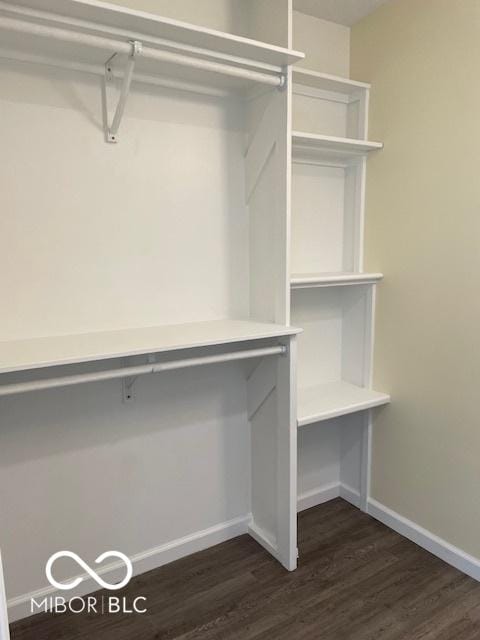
[334, 399]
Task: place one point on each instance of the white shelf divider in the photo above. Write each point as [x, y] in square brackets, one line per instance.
[327, 82]
[312, 280]
[335, 399]
[343, 146]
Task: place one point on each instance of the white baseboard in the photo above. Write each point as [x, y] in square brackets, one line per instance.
[328, 492]
[426, 539]
[317, 496]
[20, 607]
[350, 494]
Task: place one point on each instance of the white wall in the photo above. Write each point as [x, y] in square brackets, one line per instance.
[79, 469]
[79, 208]
[326, 44]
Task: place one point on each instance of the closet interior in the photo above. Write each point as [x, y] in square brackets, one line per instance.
[185, 196]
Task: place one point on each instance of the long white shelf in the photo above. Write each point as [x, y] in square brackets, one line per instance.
[333, 144]
[335, 399]
[112, 23]
[311, 280]
[22, 355]
[327, 82]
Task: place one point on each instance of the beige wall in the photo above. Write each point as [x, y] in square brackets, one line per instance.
[423, 232]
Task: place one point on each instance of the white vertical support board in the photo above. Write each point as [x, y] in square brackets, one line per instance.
[274, 464]
[287, 457]
[268, 180]
[366, 461]
[290, 23]
[363, 115]
[4, 631]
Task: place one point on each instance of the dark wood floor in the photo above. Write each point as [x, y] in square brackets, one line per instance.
[357, 580]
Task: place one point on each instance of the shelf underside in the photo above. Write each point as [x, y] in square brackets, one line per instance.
[311, 146]
[327, 82]
[312, 280]
[22, 355]
[334, 399]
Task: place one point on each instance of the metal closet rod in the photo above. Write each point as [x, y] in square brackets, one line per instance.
[139, 370]
[119, 46]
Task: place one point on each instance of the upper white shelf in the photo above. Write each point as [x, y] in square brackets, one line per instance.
[103, 21]
[311, 280]
[22, 355]
[343, 146]
[335, 399]
[327, 82]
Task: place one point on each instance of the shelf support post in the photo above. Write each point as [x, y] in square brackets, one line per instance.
[111, 130]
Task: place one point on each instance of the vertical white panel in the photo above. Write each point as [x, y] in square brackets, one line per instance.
[4, 631]
[287, 457]
[268, 193]
[274, 465]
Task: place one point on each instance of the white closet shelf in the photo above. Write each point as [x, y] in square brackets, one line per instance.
[85, 32]
[335, 399]
[331, 146]
[327, 82]
[311, 280]
[23, 355]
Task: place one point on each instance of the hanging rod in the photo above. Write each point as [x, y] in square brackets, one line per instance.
[119, 46]
[139, 370]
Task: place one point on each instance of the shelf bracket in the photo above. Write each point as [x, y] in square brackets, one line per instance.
[128, 392]
[111, 130]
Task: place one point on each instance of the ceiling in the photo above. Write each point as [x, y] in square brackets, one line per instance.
[346, 12]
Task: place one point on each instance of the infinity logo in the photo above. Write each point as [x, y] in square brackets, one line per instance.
[65, 586]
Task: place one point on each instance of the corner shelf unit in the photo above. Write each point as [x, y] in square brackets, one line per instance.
[332, 298]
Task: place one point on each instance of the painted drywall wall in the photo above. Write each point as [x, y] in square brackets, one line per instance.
[79, 469]
[224, 15]
[326, 44]
[423, 230]
[258, 19]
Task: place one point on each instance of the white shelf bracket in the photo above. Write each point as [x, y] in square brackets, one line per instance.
[283, 81]
[111, 130]
[128, 391]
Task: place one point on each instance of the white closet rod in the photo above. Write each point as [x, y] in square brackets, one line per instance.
[118, 46]
[139, 370]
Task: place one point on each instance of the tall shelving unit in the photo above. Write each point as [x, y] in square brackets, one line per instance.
[332, 299]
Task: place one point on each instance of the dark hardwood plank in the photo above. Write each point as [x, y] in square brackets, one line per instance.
[356, 580]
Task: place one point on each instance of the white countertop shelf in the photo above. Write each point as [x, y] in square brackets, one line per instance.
[327, 82]
[331, 146]
[334, 399]
[22, 355]
[312, 280]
